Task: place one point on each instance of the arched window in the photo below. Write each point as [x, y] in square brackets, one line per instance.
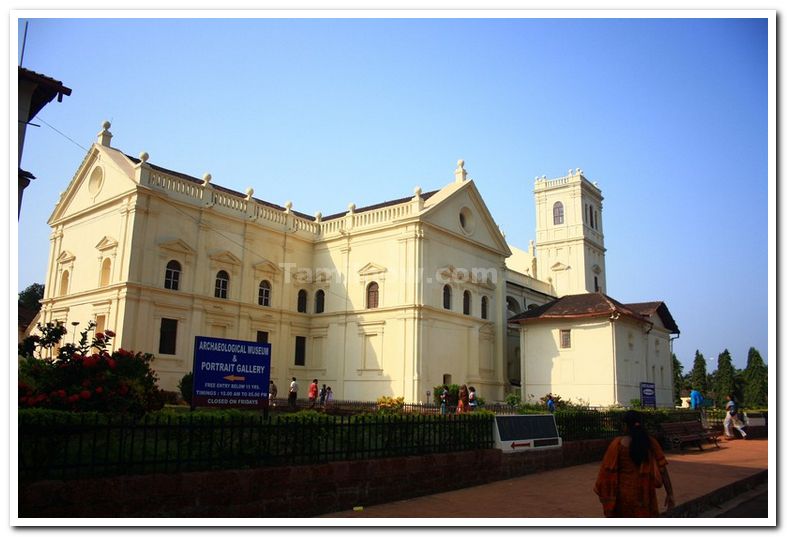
[590, 213]
[264, 298]
[222, 284]
[302, 301]
[466, 303]
[64, 283]
[447, 297]
[172, 276]
[484, 307]
[372, 295]
[106, 270]
[513, 306]
[557, 213]
[319, 301]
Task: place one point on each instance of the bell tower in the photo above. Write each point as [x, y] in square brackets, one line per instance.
[569, 234]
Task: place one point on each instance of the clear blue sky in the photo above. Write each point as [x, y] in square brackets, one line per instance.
[669, 116]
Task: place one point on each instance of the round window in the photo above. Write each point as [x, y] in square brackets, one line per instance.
[96, 181]
[466, 220]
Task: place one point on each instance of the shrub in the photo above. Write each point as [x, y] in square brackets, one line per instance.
[85, 377]
[186, 386]
[391, 405]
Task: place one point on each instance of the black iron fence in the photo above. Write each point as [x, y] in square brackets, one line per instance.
[71, 446]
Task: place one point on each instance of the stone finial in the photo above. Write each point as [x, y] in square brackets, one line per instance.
[351, 208]
[318, 216]
[570, 172]
[249, 193]
[206, 179]
[417, 191]
[460, 173]
[543, 177]
[105, 137]
[579, 172]
[288, 207]
[144, 157]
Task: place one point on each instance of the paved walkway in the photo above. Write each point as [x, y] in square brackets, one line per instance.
[568, 492]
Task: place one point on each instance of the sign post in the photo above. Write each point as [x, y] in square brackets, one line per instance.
[231, 373]
[647, 394]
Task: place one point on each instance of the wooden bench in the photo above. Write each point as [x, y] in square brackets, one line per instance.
[682, 432]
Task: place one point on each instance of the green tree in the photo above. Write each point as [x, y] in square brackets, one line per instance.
[724, 378]
[677, 378]
[755, 392]
[698, 377]
[31, 295]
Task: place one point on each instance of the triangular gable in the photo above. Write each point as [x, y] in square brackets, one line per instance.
[104, 174]
[266, 266]
[65, 257]
[177, 246]
[443, 210]
[107, 243]
[371, 269]
[559, 266]
[225, 257]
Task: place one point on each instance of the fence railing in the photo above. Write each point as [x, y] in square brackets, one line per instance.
[60, 447]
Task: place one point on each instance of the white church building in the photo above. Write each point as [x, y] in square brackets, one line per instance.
[390, 299]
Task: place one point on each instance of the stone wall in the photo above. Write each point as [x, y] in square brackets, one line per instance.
[293, 491]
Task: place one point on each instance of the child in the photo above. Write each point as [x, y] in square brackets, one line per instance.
[472, 399]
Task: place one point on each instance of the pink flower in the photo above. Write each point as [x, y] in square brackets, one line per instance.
[110, 333]
[100, 336]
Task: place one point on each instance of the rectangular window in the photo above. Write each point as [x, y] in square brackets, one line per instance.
[300, 350]
[262, 337]
[565, 339]
[168, 336]
[101, 321]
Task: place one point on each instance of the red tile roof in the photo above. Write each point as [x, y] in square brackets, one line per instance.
[595, 305]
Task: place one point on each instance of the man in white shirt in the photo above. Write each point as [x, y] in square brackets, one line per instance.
[293, 397]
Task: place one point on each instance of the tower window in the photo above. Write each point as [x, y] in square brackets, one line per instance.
[172, 276]
[222, 284]
[302, 301]
[590, 213]
[319, 301]
[372, 295]
[264, 296]
[64, 283]
[447, 297]
[595, 283]
[557, 213]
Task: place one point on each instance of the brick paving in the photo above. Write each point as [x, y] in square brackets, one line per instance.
[568, 492]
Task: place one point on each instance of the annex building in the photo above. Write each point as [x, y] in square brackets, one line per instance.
[390, 299]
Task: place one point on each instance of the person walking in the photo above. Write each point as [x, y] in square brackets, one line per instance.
[695, 399]
[313, 387]
[323, 393]
[273, 391]
[328, 396]
[464, 404]
[732, 419]
[633, 468]
[471, 398]
[444, 400]
[550, 403]
[292, 398]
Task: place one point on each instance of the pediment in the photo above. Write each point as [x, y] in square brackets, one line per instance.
[65, 257]
[105, 175]
[460, 210]
[225, 257]
[559, 266]
[177, 246]
[372, 269]
[107, 243]
[267, 267]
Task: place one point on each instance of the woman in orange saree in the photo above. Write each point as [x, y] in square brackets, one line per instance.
[633, 468]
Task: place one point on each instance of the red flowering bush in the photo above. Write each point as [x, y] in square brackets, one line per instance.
[85, 376]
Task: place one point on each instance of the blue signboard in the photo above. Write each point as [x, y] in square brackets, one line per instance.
[231, 373]
[647, 394]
